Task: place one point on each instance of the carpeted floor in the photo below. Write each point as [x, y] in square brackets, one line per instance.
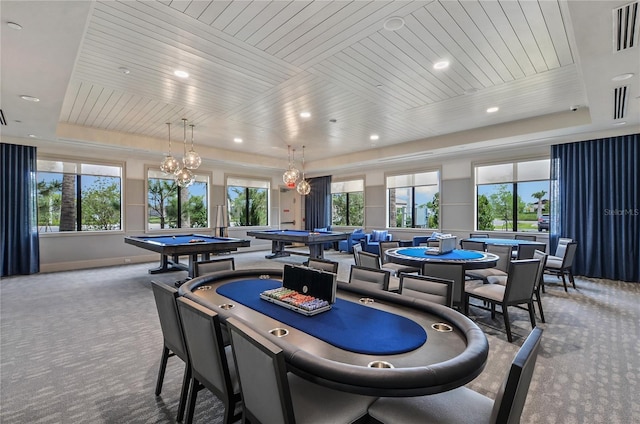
[84, 347]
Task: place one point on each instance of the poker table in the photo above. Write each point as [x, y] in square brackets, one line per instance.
[313, 239]
[370, 342]
[416, 256]
[171, 247]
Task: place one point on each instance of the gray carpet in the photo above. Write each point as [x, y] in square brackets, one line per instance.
[84, 347]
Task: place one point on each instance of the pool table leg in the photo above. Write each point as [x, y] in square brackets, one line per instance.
[167, 265]
[316, 251]
[277, 250]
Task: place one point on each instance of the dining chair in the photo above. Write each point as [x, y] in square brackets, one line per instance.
[366, 276]
[478, 235]
[463, 405]
[270, 394]
[165, 297]
[432, 289]
[322, 264]
[526, 251]
[560, 248]
[561, 266]
[453, 272]
[214, 265]
[357, 248]
[525, 237]
[430, 243]
[503, 251]
[212, 365]
[473, 245]
[518, 290]
[386, 264]
[371, 260]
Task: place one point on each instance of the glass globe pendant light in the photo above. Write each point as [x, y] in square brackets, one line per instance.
[304, 187]
[170, 164]
[191, 159]
[291, 175]
[184, 177]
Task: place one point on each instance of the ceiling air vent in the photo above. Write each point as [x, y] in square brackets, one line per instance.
[3, 121]
[620, 97]
[625, 27]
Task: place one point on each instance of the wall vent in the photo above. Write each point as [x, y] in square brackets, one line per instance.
[3, 121]
[620, 98]
[625, 27]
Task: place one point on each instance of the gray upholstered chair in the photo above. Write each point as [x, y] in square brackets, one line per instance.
[357, 248]
[453, 272]
[322, 264]
[371, 260]
[368, 277]
[503, 251]
[214, 265]
[272, 395]
[478, 235]
[560, 248]
[432, 289]
[212, 365]
[464, 405]
[386, 264]
[528, 237]
[473, 245]
[165, 297]
[526, 251]
[561, 266]
[518, 290]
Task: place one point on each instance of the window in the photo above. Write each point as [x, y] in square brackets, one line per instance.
[248, 202]
[414, 200]
[78, 196]
[170, 206]
[508, 190]
[347, 203]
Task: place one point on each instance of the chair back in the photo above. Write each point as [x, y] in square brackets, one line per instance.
[512, 396]
[203, 337]
[525, 237]
[478, 235]
[521, 281]
[357, 248]
[369, 260]
[323, 265]
[262, 374]
[473, 245]
[214, 265]
[432, 289]
[503, 251]
[569, 255]
[384, 246]
[431, 243]
[526, 251]
[453, 272]
[165, 297]
[562, 246]
[368, 276]
[542, 257]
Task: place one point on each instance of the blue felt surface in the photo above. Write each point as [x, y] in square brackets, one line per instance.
[348, 325]
[456, 255]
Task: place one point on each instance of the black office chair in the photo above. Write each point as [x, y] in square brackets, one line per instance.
[212, 365]
[432, 289]
[214, 265]
[464, 405]
[174, 345]
[272, 395]
[322, 264]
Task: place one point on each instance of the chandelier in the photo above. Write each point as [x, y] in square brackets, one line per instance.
[304, 187]
[170, 164]
[291, 175]
[191, 159]
[184, 177]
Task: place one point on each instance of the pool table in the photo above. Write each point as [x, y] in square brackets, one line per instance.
[313, 239]
[184, 244]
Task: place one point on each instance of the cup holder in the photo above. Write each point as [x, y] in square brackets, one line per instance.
[279, 332]
[204, 288]
[366, 300]
[380, 364]
[226, 306]
[442, 327]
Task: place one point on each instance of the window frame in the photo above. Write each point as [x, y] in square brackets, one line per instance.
[413, 175]
[343, 181]
[248, 180]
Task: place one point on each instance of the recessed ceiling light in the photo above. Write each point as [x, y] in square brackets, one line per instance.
[394, 23]
[237, 140]
[621, 77]
[33, 136]
[493, 109]
[374, 137]
[14, 25]
[29, 98]
[305, 114]
[181, 74]
[443, 64]
[379, 86]
[124, 70]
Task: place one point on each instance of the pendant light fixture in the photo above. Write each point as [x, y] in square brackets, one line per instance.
[184, 177]
[191, 159]
[170, 164]
[291, 175]
[304, 187]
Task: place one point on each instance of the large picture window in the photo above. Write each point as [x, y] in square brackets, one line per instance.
[347, 203]
[170, 206]
[513, 196]
[414, 200]
[79, 196]
[248, 202]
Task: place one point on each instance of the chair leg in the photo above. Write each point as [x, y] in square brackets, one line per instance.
[573, 281]
[539, 301]
[532, 315]
[507, 325]
[466, 304]
[493, 310]
[163, 367]
[184, 393]
[564, 281]
[194, 387]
